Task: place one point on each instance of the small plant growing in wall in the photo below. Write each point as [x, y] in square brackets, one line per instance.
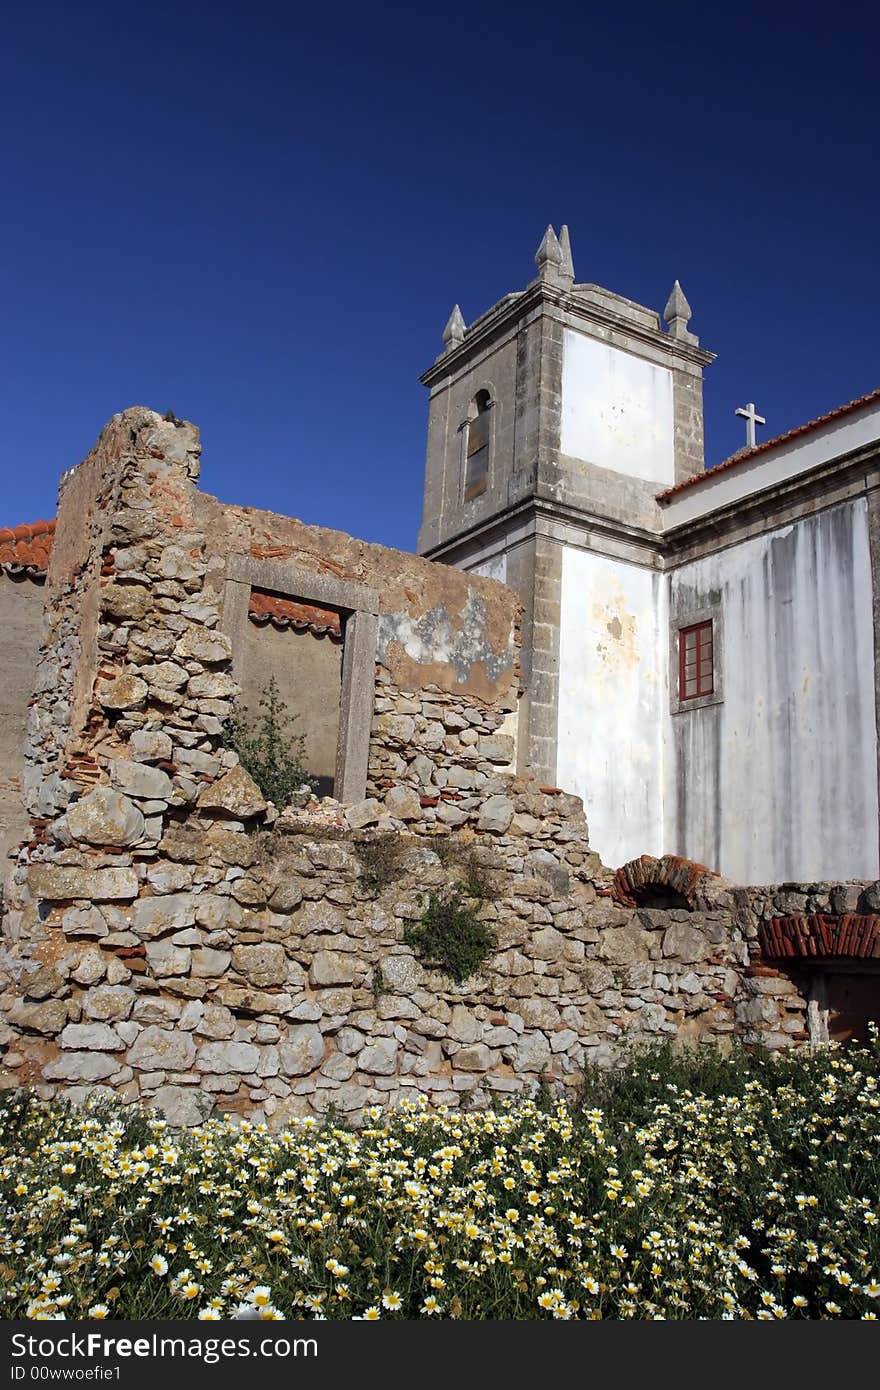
[449, 936]
[380, 860]
[476, 881]
[269, 749]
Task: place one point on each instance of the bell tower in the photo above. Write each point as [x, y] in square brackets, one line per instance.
[555, 419]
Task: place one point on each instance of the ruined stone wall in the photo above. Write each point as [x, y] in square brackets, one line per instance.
[176, 939]
[21, 613]
[265, 973]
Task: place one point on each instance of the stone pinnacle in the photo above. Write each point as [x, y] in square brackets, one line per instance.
[548, 256]
[677, 314]
[565, 248]
[677, 306]
[455, 329]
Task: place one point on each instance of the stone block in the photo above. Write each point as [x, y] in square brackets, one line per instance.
[546, 944]
[495, 816]
[99, 1037]
[56, 882]
[379, 1059]
[165, 959]
[105, 817]
[363, 813]
[107, 1002]
[48, 1018]
[261, 965]
[207, 963]
[499, 748]
[403, 803]
[332, 968]
[81, 1066]
[163, 913]
[182, 1106]
[625, 945]
[685, 943]
[477, 1057]
[303, 1050]
[235, 794]
[226, 1057]
[90, 967]
[149, 746]
[140, 780]
[160, 1049]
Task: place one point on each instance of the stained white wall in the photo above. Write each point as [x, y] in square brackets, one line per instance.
[779, 780]
[613, 700]
[616, 410]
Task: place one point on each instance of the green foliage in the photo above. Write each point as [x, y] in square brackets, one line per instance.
[652, 1073]
[704, 1187]
[380, 860]
[450, 937]
[476, 881]
[268, 749]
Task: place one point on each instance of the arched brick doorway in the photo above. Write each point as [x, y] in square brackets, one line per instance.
[836, 964]
[667, 882]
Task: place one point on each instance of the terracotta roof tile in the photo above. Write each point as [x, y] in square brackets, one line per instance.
[745, 454]
[292, 613]
[25, 549]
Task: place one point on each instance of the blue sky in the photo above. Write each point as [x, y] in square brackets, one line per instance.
[259, 216]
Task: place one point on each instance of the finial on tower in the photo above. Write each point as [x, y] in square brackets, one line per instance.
[678, 314]
[548, 257]
[455, 329]
[565, 247]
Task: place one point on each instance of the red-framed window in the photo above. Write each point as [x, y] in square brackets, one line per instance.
[696, 661]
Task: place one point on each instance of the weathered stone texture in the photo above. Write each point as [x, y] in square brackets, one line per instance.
[171, 934]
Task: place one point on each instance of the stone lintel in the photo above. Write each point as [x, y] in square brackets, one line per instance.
[288, 579]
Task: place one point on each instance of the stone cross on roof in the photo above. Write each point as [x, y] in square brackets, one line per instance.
[752, 418]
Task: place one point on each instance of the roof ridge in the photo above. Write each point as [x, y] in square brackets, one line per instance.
[742, 455]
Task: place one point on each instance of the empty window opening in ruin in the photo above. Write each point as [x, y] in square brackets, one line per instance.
[843, 1002]
[478, 446]
[300, 644]
[318, 636]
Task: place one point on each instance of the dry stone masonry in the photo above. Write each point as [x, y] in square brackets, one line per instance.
[171, 935]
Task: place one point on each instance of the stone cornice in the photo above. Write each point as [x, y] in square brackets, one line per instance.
[543, 510]
[560, 303]
[772, 507]
[779, 504]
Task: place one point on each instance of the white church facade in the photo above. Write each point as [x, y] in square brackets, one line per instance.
[699, 646]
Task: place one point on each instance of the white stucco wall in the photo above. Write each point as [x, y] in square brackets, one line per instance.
[779, 780]
[496, 568]
[613, 701]
[616, 410]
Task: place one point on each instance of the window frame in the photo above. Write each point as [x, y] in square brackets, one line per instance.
[473, 413]
[701, 648]
[359, 607]
[679, 625]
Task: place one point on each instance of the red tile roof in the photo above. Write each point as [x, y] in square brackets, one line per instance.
[25, 549]
[745, 454]
[291, 613]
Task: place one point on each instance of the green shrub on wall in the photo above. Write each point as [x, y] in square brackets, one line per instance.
[450, 937]
[269, 750]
